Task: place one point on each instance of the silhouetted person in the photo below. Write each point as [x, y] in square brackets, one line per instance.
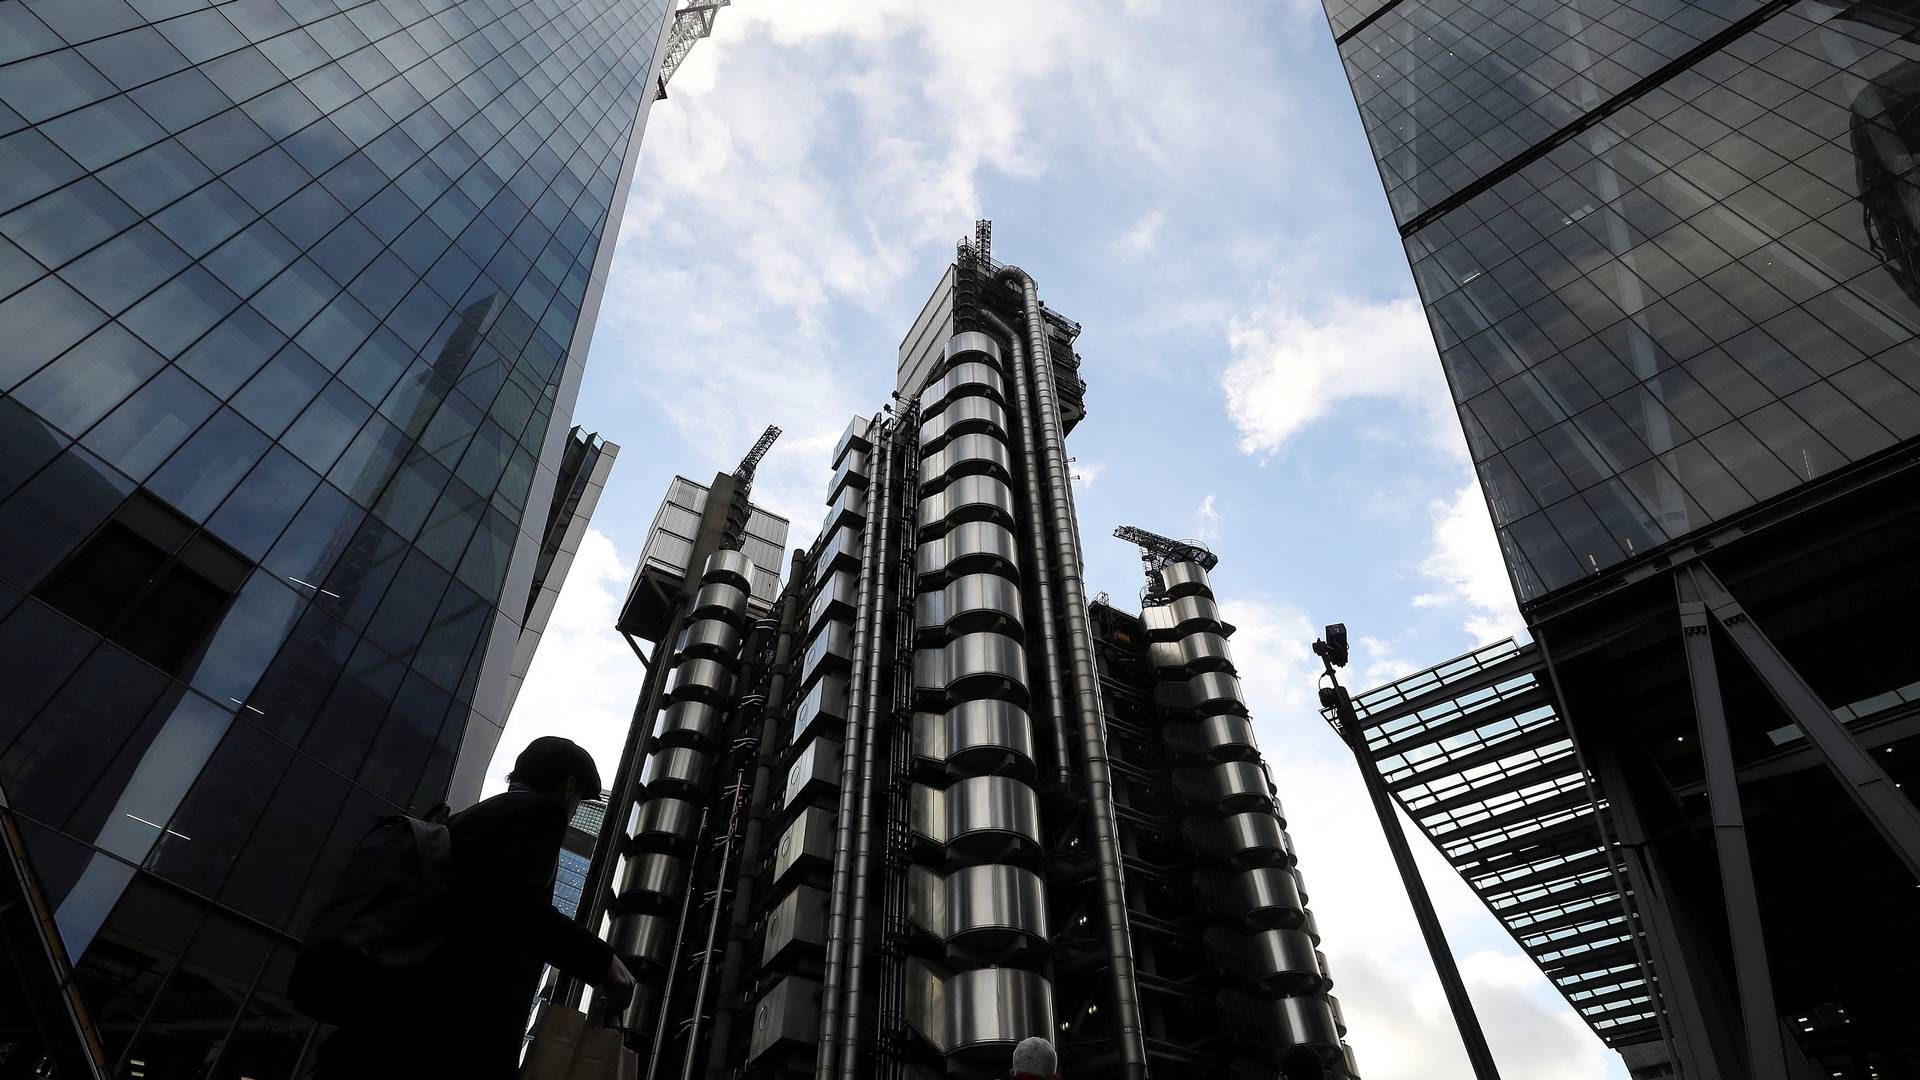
[463, 1013]
[1034, 1059]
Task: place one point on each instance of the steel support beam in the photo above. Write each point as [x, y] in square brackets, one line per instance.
[1758, 1015]
[1697, 1054]
[1896, 818]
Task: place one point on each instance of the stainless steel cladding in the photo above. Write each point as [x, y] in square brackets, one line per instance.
[1185, 579]
[970, 498]
[690, 723]
[991, 1009]
[977, 738]
[720, 600]
[962, 416]
[712, 639]
[788, 1016]
[1264, 936]
[1273, 961]
[967, 379]
[823, 710]
[970, 602]
[1266, 896]
[832, 599]
[807, 842]
[814, 774]
[729, 566]
[678, 772]
[1221, 737]
[651, 879]
[981, 819]
[664, 824]
[700, 680]
[646, 939]
[796, 925]
[975, 547]
[982, 454]
[972, 665]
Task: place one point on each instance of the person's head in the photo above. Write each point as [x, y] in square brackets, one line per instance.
[1034, 1059]
[557, 767]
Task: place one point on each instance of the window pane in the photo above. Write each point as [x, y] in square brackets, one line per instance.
[125, 268]
[201, 474]
[92, 377]
[204, 837]
[43, 320]
[146, 780]
[248, 636]
[273, 868]
[55, 761]
[140, 434]
[281, 390]
[45, 520]
[252, 517]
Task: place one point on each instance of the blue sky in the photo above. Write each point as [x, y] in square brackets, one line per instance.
[1191, 183]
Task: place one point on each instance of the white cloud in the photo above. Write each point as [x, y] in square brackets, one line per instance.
[1086, 473]
[1465, 564]
[583, 680]
[1206, 520]
[1291, 368]
[1141, 237]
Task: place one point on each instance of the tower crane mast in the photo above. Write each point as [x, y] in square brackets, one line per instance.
[691, 23]
[1158, 552]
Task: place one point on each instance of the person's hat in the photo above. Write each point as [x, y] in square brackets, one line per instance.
[1034, 1057]
[549, 760]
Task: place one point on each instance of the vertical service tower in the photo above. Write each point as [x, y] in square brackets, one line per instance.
[999, 818]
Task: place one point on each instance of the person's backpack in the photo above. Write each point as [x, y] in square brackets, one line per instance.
[385, 915]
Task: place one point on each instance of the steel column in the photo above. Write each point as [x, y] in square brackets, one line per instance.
[1869, 785]
[1471, 1037]
[1758, 1014]
[1697, 1051]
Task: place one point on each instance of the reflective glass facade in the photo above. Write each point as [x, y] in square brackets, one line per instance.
[1665, 249]
[296, 295]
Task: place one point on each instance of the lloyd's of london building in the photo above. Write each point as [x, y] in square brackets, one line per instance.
[1668, 254]
[931, 799]
[295, 298]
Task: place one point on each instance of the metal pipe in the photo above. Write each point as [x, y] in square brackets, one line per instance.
[739, 923]
[1471, 1037]
[830, 1019]
[1130, 1038]
[673, 963]
[626, 780]
[856, 965]
[1037, 553]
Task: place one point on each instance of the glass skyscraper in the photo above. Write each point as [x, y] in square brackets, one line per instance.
[294, 297]
[1668, 252]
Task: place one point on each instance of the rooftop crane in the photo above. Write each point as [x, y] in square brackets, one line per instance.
[691, 23]
[743, 473]
[1158, 552]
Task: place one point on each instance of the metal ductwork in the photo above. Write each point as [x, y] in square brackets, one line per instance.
[1128, 1030]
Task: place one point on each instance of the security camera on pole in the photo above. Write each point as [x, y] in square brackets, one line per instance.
[1332, 651]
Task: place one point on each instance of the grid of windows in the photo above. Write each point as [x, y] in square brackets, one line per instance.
[1694, 304]
[303, 274]
[1450, 90]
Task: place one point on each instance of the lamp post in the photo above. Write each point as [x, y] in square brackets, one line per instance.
[1332, 651]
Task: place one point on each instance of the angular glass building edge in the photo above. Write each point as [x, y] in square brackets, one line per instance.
[935, 799]
[296, 296]
[1667, 254]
